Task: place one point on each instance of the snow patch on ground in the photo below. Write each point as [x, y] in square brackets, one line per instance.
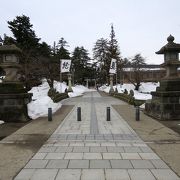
[40, 103]
[142, 94]
[1, 122]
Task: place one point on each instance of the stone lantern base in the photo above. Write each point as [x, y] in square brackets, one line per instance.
[13, 102]
[165, 103]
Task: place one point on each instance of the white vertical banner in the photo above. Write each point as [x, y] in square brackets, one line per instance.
[113, 67]
[65, 65]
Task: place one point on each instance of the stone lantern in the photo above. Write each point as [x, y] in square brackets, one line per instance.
[69, 83]
[13, 96]
[165, 103]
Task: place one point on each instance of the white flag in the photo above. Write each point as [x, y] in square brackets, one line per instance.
[65, 65]
[113, 67]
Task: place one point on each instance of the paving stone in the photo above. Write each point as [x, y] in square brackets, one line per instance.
[123, 144]
[164, 174]
[76, 144]
[149, 156]
[57, 164]
[69, 174]
[48, 149]
[73, 156]
[92, 144]
[90, 137]
[55, 156]
[99, 164]
[116, 174]
[98, 149]
[44, 174]
[108, 144]
[36, 164]
[108, 137]
[71, 150]
[61, 144]
[25, 174]
[39, 156]
[130, 156]
[140, 145]
[146, 149]
[81, 137]
[78, 164]
[81, 149]
[140, 174]
[111, 156]
[99, 137]
[121, 164]
[71, 137]
[64, 149]
[132, 149]
[92, 156]
[143, 164]
[159, 164]
[92, 174]
[115, 149]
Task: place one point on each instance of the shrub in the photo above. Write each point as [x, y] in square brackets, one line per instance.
[56, 96]
[131, 93]
[125, 91]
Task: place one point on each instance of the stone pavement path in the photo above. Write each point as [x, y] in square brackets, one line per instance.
[95, 149]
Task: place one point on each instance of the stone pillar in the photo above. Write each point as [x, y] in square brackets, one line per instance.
[87, 84]
[111, 91]
[69, 83]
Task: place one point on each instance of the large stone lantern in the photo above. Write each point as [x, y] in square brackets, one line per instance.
[13, 96]
[165, 103]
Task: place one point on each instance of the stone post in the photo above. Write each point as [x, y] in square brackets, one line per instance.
[111, 91]
[69, 83]
[87, 83]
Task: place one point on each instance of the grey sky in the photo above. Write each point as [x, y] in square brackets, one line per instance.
[141, 26]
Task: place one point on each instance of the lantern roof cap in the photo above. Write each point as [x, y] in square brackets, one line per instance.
[10, 49]
[170, 46]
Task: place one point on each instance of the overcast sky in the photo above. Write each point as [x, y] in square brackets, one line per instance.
[141, 26]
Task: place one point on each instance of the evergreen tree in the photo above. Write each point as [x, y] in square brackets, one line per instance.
[24, 35]
[114, 53]
[44, 49]
[100, 55]
[80, 59]
[137, 62]
[26, 39]
[8, 40]
[62, 52]
[113, 47]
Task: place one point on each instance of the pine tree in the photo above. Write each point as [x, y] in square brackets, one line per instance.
[137, 62]
[26, 39]
[24, 34]
[100, 55]
[114, 53]
[62, 52]
[80, 59]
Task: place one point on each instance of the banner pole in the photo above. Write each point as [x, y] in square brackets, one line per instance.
[60, 78]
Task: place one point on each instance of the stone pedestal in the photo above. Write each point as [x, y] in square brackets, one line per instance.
[165, 103]
[13, 102]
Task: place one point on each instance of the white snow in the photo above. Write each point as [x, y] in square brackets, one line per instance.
[40, 103]
[1, 122]
[142, 94]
